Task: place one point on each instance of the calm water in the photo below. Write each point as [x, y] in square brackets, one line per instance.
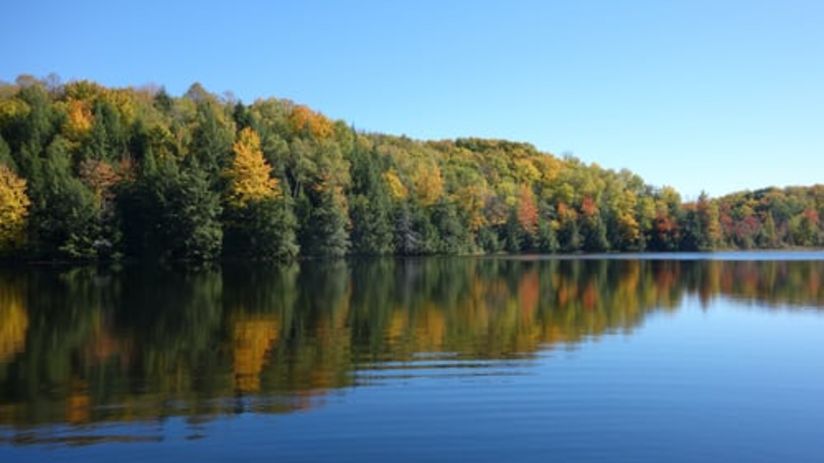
[669, 358]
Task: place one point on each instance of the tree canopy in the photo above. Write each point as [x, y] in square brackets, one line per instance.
[92, 172]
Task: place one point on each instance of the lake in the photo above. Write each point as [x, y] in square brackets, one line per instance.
[687, 357]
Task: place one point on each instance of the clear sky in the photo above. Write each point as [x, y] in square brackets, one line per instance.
[713, 95]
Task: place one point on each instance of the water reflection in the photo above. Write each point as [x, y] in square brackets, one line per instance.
[85, 345]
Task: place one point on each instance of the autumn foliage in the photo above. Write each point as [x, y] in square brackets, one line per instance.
[249, 175]
[14, 206]
[91, 172]
[527, 210]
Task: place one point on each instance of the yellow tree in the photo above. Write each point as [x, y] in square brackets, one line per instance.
[428, 183]
[304, 119]
[473, 198]
[79, 121]
[249, 175]
[396, 187]
[14, 207]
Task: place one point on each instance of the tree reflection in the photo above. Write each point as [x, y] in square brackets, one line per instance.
[87, 345]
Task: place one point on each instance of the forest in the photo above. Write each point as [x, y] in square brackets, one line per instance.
[89, 172]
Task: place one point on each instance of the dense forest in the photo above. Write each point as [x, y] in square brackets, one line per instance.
[89, 172]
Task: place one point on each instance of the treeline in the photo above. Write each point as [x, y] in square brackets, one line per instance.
[89, 172]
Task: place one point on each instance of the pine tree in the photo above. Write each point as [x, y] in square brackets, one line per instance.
[369, 206]
[323, 233]
[65, 215]
[212, 137]
[186, 215]
[547, 238]
[263, 229]
[453, 236]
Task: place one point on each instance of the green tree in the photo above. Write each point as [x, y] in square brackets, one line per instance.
[212, 137]
[65, 217]
[177, 215]
[453, 236]
[369, 207]
[263, 229]
[547, 237]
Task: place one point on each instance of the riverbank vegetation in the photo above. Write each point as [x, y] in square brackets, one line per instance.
[90, 172]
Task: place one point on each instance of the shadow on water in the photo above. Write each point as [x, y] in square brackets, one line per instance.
[83, 345]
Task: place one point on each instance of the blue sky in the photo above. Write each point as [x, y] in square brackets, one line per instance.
[713, 95]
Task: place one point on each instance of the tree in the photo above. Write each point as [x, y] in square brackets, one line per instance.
[527, 211]
[106, 136]
[263, 229]
[14, 205]
[369, 207]
[6, 157]
[323, 231]
[212, 136]
[249, 174]
[321, 176]
[182, 214]
[769, 234]
[804, 228]
[414, 232]
[547, 237]
[304, 121]
[453, 236]
[708, 217]
[428, 183]
[258, 217]
[514, 239]
[65, 215]
[593, 229]
[569, 236]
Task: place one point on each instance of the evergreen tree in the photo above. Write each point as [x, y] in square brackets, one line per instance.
[513, 234]
[172, 214]
[547, 238]
[323, 231]
[263, 229]
[65, 215]
[453, 236]
[212, 138]
[322, 176]
[488, 241]
[407, 239]
[369, 207]
[414, 232]
[594, 234]
[569, 236]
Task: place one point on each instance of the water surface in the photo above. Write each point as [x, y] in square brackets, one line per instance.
[640, 358]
